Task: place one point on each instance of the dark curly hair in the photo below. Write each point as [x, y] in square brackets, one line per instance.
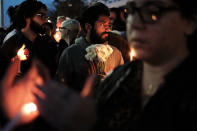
[27, 9]
[92, 13]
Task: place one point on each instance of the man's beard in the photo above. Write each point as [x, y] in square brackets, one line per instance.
[97, 39]
[36, 27]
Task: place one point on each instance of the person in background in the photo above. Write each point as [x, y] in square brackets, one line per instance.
[59, 21]
[49, 29]
[29, 27]
[79, 60]
[113, 14]
[118, 21]
[10, 31]
[2, 35]
[70, 30]
[57, 35]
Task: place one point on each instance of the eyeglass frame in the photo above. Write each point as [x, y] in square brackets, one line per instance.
[63, 28]
[162, 9]
[102, 23]
[42, 16]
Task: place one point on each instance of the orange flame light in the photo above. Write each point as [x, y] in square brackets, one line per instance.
[21, 54]
[132, 54]
[29, 108]
[57, 36]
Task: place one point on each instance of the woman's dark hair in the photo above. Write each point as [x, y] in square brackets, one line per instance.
[27, 9]
[92, 13]
[11, 12]
[189, 11]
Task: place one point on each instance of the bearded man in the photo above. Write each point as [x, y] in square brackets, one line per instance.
[29, 17]
[76, 62]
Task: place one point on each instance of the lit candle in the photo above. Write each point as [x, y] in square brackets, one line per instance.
[57, 36]
[27, 109]
[21, 53]
[132, 54]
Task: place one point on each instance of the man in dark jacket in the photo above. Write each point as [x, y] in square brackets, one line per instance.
[29, 18]
[74, 67]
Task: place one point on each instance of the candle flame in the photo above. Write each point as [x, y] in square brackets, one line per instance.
[132, 54]
[57, 36]
[29, 108]
[21, 54]
[154, 17]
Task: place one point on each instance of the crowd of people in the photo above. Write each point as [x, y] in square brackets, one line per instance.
[85, 80]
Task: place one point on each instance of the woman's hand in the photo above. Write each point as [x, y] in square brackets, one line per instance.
[65, 109]
[15, 94]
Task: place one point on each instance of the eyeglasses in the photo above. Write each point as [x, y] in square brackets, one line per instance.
[43, 16]
[150, 12]
[62, 28]
[104, 25]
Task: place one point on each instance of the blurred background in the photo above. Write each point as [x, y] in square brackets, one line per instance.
[69, 8]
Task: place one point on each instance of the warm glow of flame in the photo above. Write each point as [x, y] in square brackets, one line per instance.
[29, 108]
[132, 54]
[21, 54]
[154, 17]
[57, 36]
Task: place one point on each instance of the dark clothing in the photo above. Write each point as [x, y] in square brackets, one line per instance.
[119, 98]
[2, 35]
[3, 65]
[74, 68]
[61, 46]
[43, 48]
[172, 107]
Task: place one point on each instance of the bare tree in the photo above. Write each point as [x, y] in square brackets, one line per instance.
[69, 8]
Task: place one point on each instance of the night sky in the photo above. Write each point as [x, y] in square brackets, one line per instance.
[8, 3]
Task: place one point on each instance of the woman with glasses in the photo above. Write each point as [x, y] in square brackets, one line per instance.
[156, 90]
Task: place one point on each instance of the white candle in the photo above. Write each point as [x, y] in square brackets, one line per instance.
[132, 54]
[26, 110]
[57, 36]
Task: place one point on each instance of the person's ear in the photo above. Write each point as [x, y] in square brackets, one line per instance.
[88, 27]
[27, 25]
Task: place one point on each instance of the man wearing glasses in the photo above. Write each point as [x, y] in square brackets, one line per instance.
[29, 17]
[70, 30]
